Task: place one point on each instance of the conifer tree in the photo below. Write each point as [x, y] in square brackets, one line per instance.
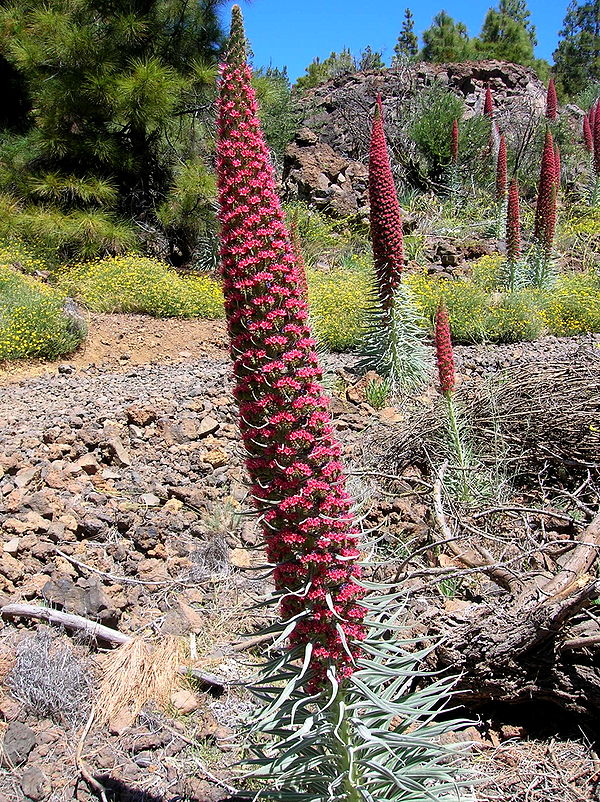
[407, 45]
[446, 40]
[577, 57]
[118, 94]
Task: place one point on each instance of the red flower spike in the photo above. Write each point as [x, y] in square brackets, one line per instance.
[513, 223]
[443, 350]
[551, 101]
[501, 170]
[300, 263]
[488, 104]
[592, 115]
[557, 165]
[454, 146]
[386, 221]
[588, 139]
[545, 212]
[297, 481]
[596, 139]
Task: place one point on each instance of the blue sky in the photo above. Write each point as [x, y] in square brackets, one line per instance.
[285, 33]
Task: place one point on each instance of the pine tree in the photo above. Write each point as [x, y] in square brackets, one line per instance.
[446, 40]
[518, 11]
[407, 45]
[505, 38]
[370, 59]
[319, 71]
[117, 93]
[577, 57]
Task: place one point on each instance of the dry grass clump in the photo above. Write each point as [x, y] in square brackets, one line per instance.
[133, 675]
[50, 679]
[537, 771]
[541, 414]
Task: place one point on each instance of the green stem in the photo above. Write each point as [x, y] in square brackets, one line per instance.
[457, 443]
[341, 747]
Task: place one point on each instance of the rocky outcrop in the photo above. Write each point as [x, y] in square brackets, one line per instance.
[317, 175]
[325, 164]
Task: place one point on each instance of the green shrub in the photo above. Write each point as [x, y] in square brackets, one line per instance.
[32, 322]
[61, 236]
[143, 285]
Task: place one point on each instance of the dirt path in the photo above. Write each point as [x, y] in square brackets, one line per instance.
[121, 340]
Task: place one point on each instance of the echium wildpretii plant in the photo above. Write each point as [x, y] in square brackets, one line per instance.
[501, 184]
[339, 719]
[393, 342]
[513, 274]
[594, 124]
[542, 269]
[444, 354]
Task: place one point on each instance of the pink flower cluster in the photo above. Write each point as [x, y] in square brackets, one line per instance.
[443, 350]
[501, 170]
[386, 221]
[293, 457]
[592, 140]
[513, 223]
[545, 212]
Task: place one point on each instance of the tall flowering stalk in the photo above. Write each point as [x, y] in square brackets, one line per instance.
[447, 378]
[300, 263]
[393, 343]
[501, 171]
[326, 699]
[443, 350]
[596, 138]
[293, 458]
[386, 219]
[551, 101]
[488, 103]
[545, 213]
[501, 182]
[514, 270]
[454, 183]
[545, 217]
[588, 139]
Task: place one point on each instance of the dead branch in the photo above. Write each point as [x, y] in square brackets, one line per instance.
[96, 630]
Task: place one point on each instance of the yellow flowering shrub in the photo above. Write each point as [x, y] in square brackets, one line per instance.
[32, 323]
[338, 300]
[573, 306]
[17, 254]
[143, 285]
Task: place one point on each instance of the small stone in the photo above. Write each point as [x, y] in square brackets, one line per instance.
[141, 416]
[18, 742]
[184, 701]
[216, 457]
[240, 558]
[12, 546]
[34, 784]
[208, 425]
[119, 452]
[173, 505]
[88, 464]
[150, 500]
